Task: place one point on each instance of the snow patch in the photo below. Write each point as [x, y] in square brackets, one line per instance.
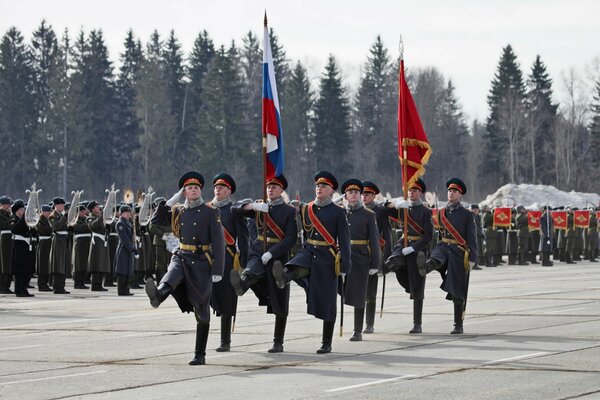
[536, 196]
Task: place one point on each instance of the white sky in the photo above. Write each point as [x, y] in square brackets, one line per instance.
[462, 38]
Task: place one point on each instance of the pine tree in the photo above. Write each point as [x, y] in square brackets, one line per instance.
[172, 58]
[332, 122]
[595, 131]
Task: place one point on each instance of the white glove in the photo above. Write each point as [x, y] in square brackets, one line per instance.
[216, 278]
[137, 256]
[401, 203]
[164, 237]
[266, 258]
[407, 250]
[471, 264]
[177, 198]
[373, 271]
[260, 207]
[343, 274]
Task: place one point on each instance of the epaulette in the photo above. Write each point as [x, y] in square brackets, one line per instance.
[210, 205]
[369, 210]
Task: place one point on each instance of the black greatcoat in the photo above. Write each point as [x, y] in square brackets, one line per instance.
[268, 294]
[190, 272]
[224, 300]
[59, 249]
[546, 234]
[321, 284]
[450, 256]
[124, 261]
[409, 277]
[23, 256]
[5, 242]
[42, 258]
[363, 227]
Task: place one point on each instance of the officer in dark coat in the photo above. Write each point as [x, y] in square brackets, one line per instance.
[113, 242]
[366, 255]
[405, 260]
[59, 249]
[491, 238]
[370, 190]
[522, 225]
[5, 245]
[42, 259]
[81, 247]
[279, 219]
[126, 252]
[98, 262]
[324, 257]
[480, 235]
[199, 260]
[23, 259]
[224, 299]
[546, 246]
[456, 253]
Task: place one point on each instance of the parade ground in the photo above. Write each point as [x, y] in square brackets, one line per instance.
[530, 333]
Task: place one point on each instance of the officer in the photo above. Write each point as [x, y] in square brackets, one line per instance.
[23, 257]
[571, 236]
[5, 245]
[126, 252]
[42, 259]
[235, 232]
[324, 257]
[546, 237]
[81, 247]
[266, 252]
[199, 260]
[59, 249]
[456, 254]
[98, 262]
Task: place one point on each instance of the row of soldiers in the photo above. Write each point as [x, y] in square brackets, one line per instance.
[328, 249]
[522, 242]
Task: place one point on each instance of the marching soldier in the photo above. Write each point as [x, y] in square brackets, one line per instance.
[266, 253]
[406, 261]
[5, 245]
[366, 255]
[546, 237]
[160, 229]
[455, 255]
[98, 262]
[325, 256]
[126, 253]
[370, 190]
[592, 236]
[23, 256]
[42, 259]
[491, 238]
[59, 249]
[81, 248]
[199, 260]
[480, 235]
[224, 299]
[522, 225]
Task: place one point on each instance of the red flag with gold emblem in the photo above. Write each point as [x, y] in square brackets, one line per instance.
[533, 220]
[502, 217]
[560, 220]
[581, 218]
[598, 215]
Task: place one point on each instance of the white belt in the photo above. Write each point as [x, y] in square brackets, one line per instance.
[80, 235]
[61, 232]
[99, 236]
[113, 234]
[45, 237]
[5, 232]
[24, 239]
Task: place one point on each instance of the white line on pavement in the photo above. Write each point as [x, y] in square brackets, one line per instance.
[370, 383]
[52, 377]
[541, 353]
[563, 311]
[19, 347]
[482, 322]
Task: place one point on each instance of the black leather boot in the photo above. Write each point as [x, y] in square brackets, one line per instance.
[225, 334]
[429, 266]
[201, 339]
[242, 282]
[108, 280]
[370, 317]
[417, 316]
[394, 263]
[123, 285]
[157, 294]
[280, 322]
[327, 337]
[359, 316]
[283, 276]
[458, 317]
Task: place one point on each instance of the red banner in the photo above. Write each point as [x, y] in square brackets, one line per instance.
[434, 215]
[582, 218]
[560, 220]
[502, 217]
[533, 220]
[598, 215]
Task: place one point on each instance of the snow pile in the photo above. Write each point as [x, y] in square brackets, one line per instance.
[536, 196]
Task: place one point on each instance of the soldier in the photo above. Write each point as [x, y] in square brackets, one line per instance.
[534, 243]
[224, 299]
[267, 252]
[113, 242]
[5, 245]
[370, 190]
[23, 257]
[491, 238]
[592, 236]
[480, 235]
[126, 253]
[42, 258]
[456, 254]
[324, 257]
[98, 262]
[512, 245]
[160, 229]
[81, 248]
[561, 242]
[546, 237]
[405, 260]
[366, 254]
[199, 260]
[522, 225]
[59, 250]
[137, 279]
[571, 236]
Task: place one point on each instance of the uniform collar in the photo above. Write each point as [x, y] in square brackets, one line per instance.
[323, 203]
[415, 203]
[276, 202]
[221, 203]
[193, 204]
[355, 207]
[453, 207]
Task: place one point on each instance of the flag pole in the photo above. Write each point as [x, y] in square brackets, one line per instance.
[264, 154]
[402, 144]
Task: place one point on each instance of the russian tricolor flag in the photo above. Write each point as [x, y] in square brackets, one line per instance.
[271, 117]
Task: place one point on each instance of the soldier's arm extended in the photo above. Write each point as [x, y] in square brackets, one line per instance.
[241, 230]
[291, 233]
[374, 242]
[217, 242]
[345, 247]
[243, 208]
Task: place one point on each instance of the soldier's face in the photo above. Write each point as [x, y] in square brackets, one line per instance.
[192, 192]
[414, 194]
[274, 191]
[126, 214]
[454, 195]
[46, 214]
[96, 210]
[59, 207]
[352, 196]
[323, 191]
[221, 192]
[368, 198]
[5, 207]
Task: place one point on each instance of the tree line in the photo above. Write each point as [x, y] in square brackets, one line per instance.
[70, 119]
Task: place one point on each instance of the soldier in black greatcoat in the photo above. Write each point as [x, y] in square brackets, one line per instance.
[224, 299]
[264, 254]
[324, 257]
[546, 246]
[59, 249]
[406, 259]
[126, 252]
[370, 190]
[23, 258]
[5, 245]
[456, 253]
[42, 259]
[199, 260]
[366, 254]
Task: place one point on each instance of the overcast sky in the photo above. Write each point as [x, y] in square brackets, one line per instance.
[461, 38]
